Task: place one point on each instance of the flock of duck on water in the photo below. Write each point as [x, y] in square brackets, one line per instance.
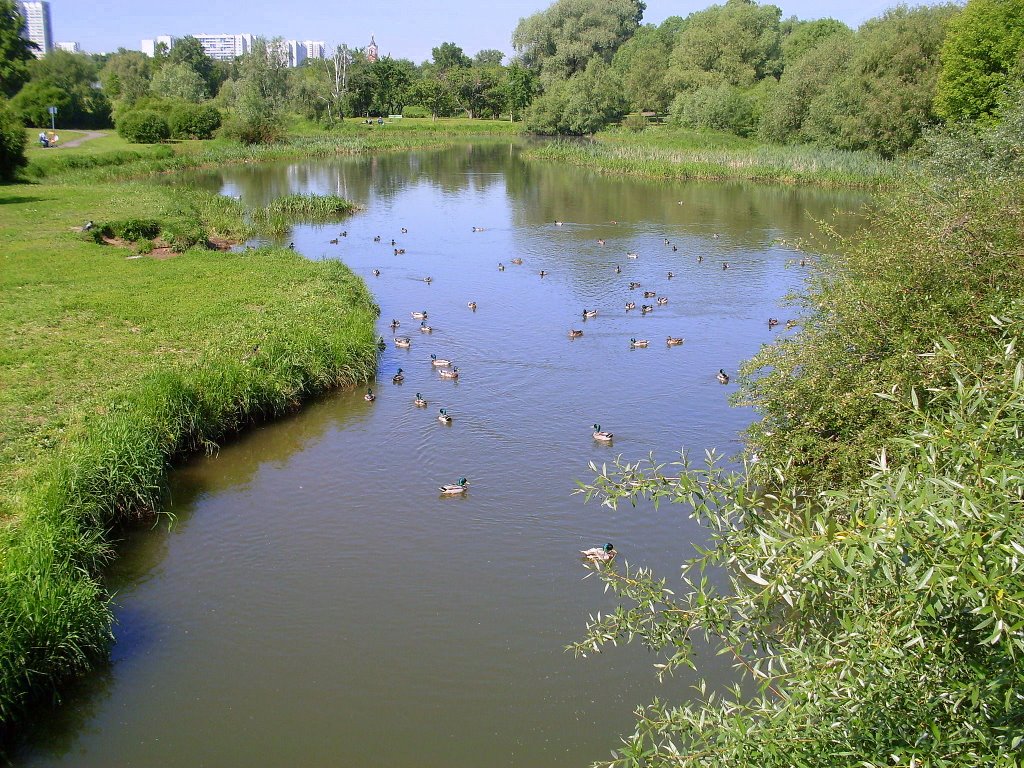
[448, 370]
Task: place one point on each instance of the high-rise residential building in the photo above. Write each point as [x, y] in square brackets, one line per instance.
[148, 47]
[225, 47]
[38, 27]
[69, 47]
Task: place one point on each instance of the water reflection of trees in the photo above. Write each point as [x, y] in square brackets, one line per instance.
[749, 215]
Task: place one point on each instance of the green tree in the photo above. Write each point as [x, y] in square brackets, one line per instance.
[126, 75]
[389, 80]
[449, 56]
[641, 63]
[15, 51]
[804, 36]
[981, 55]
[561, 41]
[76, 75]
[435, 93]
[488, 57]
[260, 95]
[189, 51]
[12, 142]
[32, 104]
[886, 95]
[519, 88]
[178, 82]
[144, 127]
[738, 43]
[581, 105]
[805, 86]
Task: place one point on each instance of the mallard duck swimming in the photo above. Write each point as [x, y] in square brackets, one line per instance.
[618, 270]
[650, 294]
[376, 273]
[369, 396]
[790, 324]
[632, 255]
[381, 345]
[700, 259]
[662, 300]
[446, 373]
[419, 315]
[454, 489]
[670, 275]
[428, 279]
[501, 267]
[604, 437]
[443, 416]
[478, 229]
[424, 328]
[440, 362]
[673, 341]
[394, 324]
[645, 308]
[403, 342]
[542, 273]
[419, 401]
[600, 241]
[472, 305]
[630, 305]
[599, 554]
[635, 343]
[634, 285]
[574, 334]
[517, 260]
[398, 378]
[722, 376]
[725, 265]
[376, 239]
[405, 231]
[334, 241]
[589, 313]
[772, 322]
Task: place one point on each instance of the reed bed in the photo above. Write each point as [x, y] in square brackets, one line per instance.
[760, 163]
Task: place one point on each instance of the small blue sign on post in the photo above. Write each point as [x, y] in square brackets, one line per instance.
[53, 112]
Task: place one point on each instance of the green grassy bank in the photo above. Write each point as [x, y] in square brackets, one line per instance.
[680, 154]
[113, 363]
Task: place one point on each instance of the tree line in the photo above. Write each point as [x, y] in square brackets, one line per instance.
[580, 65]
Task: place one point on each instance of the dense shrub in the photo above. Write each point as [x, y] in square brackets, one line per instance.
[127, 229]
[12, 142]
[144, 127]
[194, 121]
[718, 108]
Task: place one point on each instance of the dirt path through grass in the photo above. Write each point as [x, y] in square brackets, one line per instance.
[80, 139]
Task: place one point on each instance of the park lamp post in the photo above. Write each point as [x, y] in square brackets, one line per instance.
[53, 113]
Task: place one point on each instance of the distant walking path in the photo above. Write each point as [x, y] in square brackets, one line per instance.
[80, 139]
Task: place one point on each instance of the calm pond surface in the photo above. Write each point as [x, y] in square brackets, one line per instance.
[317, 603]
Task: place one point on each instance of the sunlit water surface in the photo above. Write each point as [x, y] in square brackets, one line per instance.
[317, 603]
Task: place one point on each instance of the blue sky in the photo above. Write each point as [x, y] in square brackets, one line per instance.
[403, 28]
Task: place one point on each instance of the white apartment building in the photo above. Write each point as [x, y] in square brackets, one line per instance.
[38, 27]
[69, 47]
[225, 47]
[148, 47]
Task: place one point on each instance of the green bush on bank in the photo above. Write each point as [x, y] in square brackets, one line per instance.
[194, 121]
[12, 142]
[144, 127]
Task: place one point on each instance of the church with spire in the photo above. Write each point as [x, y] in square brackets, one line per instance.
[371, 50]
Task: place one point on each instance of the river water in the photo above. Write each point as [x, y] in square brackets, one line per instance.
[318, 603]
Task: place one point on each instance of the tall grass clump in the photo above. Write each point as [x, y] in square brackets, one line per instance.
[761, 163]
[311, 207]
[112, 465]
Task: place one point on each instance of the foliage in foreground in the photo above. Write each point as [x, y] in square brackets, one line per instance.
[882, 625]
